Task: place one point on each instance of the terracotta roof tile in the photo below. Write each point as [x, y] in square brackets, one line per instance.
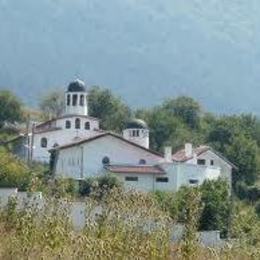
[180, 156]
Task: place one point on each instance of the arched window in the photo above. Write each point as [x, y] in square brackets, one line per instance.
[55, 145]
[77, 123]
[81, 102]
[106, 160]
[68, 124]
[74, 99]
[87, 125]
[44, 142]
[142, 161]
[68, 100]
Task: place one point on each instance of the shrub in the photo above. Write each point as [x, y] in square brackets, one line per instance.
[13, 172]
[98, 186]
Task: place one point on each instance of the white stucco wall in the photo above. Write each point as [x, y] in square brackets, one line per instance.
[226, 169]
[76, 109]
[118, 151]
[142, 139]
[180, 174]
[62, 136]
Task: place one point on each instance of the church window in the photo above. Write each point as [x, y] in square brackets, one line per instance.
[74, 99]
[142, 161]
[77, 123]
[193, 181]
[68, 124]
[137, 133]
[106, 160]
[81, 102]
[44, 142]
[55, 145]
[131, 178]
[87, 125]
[211, 162]
[162, 179]
[68, 100]
[201, 162]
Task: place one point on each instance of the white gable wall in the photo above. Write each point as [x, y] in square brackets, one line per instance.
[226, 169]
[118, 151]
[62, 136]
[180, 174]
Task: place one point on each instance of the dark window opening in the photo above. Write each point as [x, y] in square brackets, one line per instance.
[44, 142]
[77, 123]
[142, 161]
[194, 181]
[105, 160]
[201, 162]
[74, 100]
[68, 100]
[87, 125]
[81, 102]
[211, 162]
[68, 124]
[162, 179]
[56, 145]
[128, 178]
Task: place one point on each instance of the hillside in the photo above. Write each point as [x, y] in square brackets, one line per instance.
[143, 50]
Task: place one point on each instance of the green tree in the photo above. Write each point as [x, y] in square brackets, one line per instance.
[13, 173]
[52, 105]
[216, 206]
[11, 108]
[185, 108]
[109, 108]
[233, 136]
[167, 129]
[243, 151]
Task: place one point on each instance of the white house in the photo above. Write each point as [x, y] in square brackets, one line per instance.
[207, 157]
[136, 166]
[91, 156]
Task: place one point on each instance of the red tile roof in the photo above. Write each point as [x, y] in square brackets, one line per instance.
[143, 169]
[180, 156]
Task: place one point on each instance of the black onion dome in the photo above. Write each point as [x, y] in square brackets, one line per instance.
[77, 86]
[136, 124]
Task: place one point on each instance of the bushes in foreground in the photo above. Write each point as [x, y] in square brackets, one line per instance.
[119, 231]
[128, 226]
[215, 205]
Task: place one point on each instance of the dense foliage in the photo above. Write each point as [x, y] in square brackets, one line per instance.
[13, 172]
[214, 204]
[52, 105]
[10, 108]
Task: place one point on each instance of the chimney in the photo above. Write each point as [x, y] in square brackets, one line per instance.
[168, 154]
[188, 150]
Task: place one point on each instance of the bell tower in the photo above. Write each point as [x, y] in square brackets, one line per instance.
[76, 102]
[137, 132]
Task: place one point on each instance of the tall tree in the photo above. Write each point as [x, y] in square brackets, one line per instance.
[185, 108]
[109, 108]
[11, 109]
[52, 105]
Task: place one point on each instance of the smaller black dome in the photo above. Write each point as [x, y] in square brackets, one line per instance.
[77, 86]
[136, 124]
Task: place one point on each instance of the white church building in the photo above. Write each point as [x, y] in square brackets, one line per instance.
[80, 149]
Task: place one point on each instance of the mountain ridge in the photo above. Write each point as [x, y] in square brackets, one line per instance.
[144, 51]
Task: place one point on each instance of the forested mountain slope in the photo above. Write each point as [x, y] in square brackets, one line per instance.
[144, 50]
